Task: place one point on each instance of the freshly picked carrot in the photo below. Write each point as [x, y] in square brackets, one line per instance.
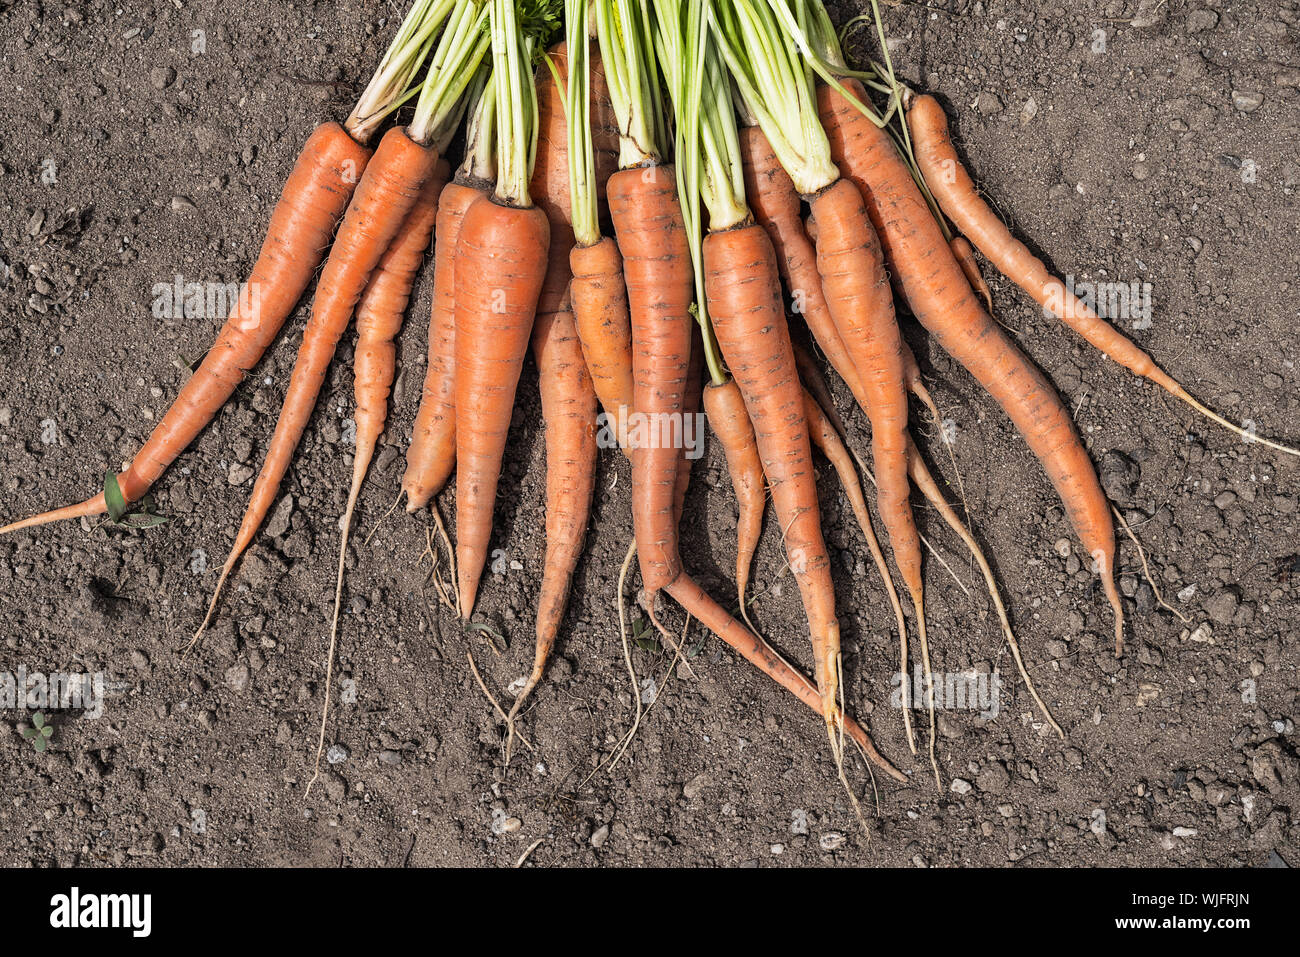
[431, 456]
[501, 260]
[951, 184]
[302, 225]
[390, 187]
[940, 296]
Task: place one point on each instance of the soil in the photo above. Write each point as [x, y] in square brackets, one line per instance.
[131, 152]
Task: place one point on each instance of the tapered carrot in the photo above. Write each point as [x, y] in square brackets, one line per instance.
[431, 456]
[952, 186]
[964, 253]
[940, 297]
[725, 407]
[501, 264]
[598, 290]
[389, 189]
[657, 271]
[569, 411]
[827, 438]
[310, 205]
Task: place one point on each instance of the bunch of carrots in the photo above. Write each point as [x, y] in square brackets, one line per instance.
[651, 207]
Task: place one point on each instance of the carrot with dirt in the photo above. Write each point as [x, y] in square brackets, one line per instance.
[390, 187]
[431, 456]
[302, 224]
[951, 184]
[598, 290]
[940, 296]
[501, 263]
[777, 88]
[568, 397]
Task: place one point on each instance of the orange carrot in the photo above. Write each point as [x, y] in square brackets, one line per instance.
[725, 407]
[951, 185]
[657, 272]
[600, 310]
[742, 285]
[432, 453]
[501, 264]
[861, 303]
[388, 190]
[940, 297]
[569, 411]
[690, 409]
[777, 207]
[313, 200]
[965, 256]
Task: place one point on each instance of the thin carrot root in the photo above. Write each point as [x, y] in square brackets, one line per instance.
[925, 482]
[492, 699]
[1146, 569]
[827, 438]
[621, 748]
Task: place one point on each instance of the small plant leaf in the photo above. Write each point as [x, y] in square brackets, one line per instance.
[30, 733]
[40, 744]
[694, 651]
[113, 498]
[144, 520]
[38, 719]
[48, 731]
[649, 644]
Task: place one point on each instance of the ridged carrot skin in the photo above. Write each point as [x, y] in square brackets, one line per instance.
[940, 297]
[660, 289]
[432, 453]
[861, 303]
[690, 409]
[390, 187]
[301, 229]
[742, 285]
[725, 408]
[779, 210]
[501, 262]
[569, 414]
[549, 186]
[600, 311]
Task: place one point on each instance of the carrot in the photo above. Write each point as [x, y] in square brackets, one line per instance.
[777, 208]
[309, 208]
[600, 310]
[827, 438]
[741, 281]
[952, 186]
[431, 456]
[569, 411]
[598, 290]
[310, 205]
[657, 272]
[725, 407]
[502, 255]
[965, 256]
[392, 184]
[940, 297]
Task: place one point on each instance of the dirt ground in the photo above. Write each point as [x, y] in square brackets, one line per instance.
[1142, 142]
